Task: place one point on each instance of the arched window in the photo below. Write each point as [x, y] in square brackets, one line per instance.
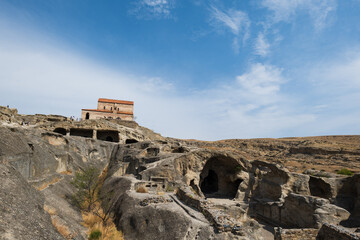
[111, 108]
[104, 107]
[87, 116]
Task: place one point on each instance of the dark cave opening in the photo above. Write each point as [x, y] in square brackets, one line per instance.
[210, 183]
[88, 133]
[108, 135]
[130, 140]
[60, 130]
[218, 180]
[319, 188]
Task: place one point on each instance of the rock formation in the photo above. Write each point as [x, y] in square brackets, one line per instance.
[164, 188]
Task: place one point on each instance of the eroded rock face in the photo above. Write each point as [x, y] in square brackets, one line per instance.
[21, 210]
[142, 215]
[224, 190]
[261, 189]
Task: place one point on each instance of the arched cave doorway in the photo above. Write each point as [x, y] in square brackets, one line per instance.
[210, 183]
[87, 116]
[218, 178]
[108, 135]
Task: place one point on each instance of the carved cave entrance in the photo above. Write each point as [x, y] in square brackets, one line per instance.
[107, 135]
[217, 179]
[319, 188]
[130, 140]
[88, 133]
[211, 183]
[60, 130]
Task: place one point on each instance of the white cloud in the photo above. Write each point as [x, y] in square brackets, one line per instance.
[261, 84]
[236, 21]
[262, 46]
[253, 105]
[148, 9]
[339, 78]
[285, 10]
[41, 76]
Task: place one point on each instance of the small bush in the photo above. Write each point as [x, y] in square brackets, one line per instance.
[345, 171]
[95, 234]
[169, 189]
[142, 189]
[238, 169]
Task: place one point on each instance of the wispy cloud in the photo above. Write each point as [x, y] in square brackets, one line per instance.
[235, 21]
[288, 11]
[262, 46]
[149, 9]
[285, 10]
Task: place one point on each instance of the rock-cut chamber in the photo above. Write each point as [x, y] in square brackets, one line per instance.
[217, 179]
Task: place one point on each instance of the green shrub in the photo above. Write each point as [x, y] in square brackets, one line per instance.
[95, 234]
[238, 169]
[169, 188]
[345, 171]
[87, 183]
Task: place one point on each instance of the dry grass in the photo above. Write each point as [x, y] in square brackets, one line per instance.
[46, 184]
[142, 189]
[67, 172]
[221, 148]
[94, 222]
[62, 229]
[50, 210]
[108, 230]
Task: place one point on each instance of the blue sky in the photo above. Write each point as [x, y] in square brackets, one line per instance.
[195, 69]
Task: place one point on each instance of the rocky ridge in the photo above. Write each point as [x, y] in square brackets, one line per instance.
[230, 189]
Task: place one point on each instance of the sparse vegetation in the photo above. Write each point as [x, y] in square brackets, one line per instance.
[95, 234]
[169, 188]
[51, 211]
[345, 171]
[62, 229]
[46, 184]
[94, 223]
[67, 172]
[238, 169]
[96, 212]
[86, 182]
[142, 189]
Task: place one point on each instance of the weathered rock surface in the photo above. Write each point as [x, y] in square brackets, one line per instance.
[142, 215]
[231, 189]
[22, 214]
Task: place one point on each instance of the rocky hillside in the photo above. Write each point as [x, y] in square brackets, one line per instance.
[164, 188]
[327, 153]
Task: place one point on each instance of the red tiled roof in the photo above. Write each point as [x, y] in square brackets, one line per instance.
[107, 111]
[115, 101]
